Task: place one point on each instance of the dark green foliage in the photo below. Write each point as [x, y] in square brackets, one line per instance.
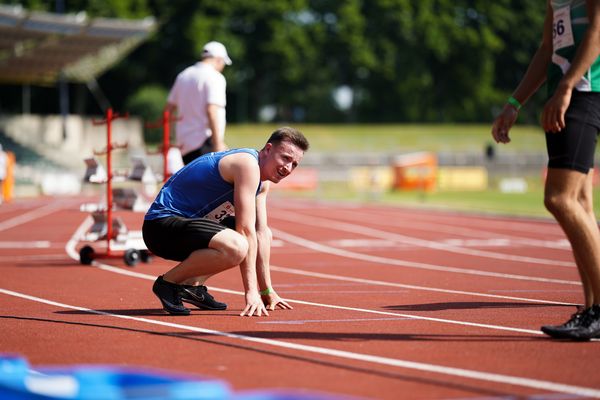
[148, 103]
[405, 60]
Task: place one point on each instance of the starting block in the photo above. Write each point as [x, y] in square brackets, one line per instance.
[141, 171]
[95, 172]
[129, 199]
[99, 228]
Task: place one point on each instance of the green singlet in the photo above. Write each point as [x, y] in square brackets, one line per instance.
[569, 24]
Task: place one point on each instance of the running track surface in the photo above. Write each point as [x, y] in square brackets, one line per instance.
[388, 303]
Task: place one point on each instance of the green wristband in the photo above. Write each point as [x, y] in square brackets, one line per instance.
[266, 292]
[514, 102]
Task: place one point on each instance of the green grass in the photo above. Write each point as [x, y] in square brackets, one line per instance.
[406, 138]
[399, 138]
[490, 201]
[390, 138]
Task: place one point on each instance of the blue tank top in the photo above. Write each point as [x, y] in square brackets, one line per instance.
[198, 190]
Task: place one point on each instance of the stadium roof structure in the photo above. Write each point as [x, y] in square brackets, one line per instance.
[39, 48]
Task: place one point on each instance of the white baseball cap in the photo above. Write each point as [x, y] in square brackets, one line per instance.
[216, 49]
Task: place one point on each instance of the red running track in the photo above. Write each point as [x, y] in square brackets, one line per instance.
[388, 303]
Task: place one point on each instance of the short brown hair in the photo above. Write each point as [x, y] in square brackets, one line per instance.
[291, 135]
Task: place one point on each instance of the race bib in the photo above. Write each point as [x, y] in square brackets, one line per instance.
[562, 34]
[221, 212]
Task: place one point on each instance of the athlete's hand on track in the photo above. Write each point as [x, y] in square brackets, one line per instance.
[273, 300]
[503, 123]
[254, 305]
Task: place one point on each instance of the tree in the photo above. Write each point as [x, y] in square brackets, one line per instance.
[402, 60]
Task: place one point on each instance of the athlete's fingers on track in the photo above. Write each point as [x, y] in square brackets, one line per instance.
[281, 304]
[284, 306]
[249, 310]
[254, 310]
[262, 309]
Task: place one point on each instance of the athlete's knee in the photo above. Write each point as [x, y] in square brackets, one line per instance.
[552, 202]
[586, 202]
[236, 249]
[558, 203]
[231, 245]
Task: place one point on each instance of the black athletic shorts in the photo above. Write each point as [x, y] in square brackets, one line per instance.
[574, 146]
[206, 148]
[175, 238]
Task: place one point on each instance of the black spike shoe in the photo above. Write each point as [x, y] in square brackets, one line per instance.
[169, 295]
[199, 296]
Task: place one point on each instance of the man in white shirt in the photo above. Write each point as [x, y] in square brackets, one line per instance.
[198, 97]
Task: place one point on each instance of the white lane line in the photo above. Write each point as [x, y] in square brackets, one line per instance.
[497, 222]
[328, 352]
[320, 321]
[436, 215]
[400, 223]
[33, 257]
[35, 244]
[410, 264]
[34, 214]
[534, 291]
[413, 287]
[71, 251]
[330, 291]
[303, 284]
[126, 272]
[361, 281]
[362, 230]
[491, 242]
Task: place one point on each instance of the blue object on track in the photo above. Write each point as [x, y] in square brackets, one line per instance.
[19, 382]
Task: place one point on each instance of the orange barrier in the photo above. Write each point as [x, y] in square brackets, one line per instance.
[415, 171]
[8, 183]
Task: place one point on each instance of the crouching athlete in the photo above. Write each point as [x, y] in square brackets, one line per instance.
[212, 215]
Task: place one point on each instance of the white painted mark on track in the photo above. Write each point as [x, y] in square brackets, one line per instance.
[335, 307]
[320, 321]
[34, 214]
[437, 226]
[321, 275]
[35, 244]
[362, 230]
[348, 355]
[70, 249]
[410, 264]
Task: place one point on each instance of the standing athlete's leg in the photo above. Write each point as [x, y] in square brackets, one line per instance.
[591, 286]
[568, 196]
